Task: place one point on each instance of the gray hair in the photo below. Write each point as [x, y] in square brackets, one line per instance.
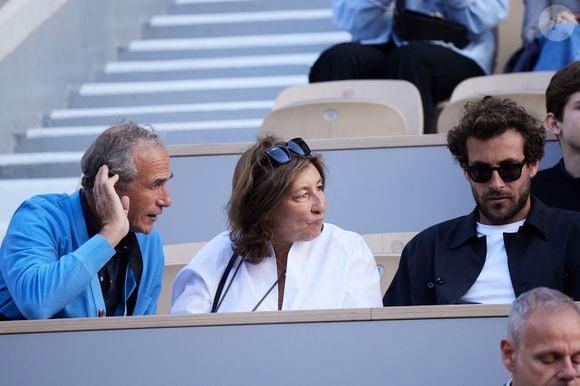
[541, 298]
[115, 147]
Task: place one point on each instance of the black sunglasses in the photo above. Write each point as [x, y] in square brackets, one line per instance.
[282, 153]
[508, 172]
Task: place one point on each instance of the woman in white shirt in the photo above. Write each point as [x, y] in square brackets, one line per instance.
[278, 254]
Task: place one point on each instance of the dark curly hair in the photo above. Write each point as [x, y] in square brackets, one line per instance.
[491, 117]
[259, 185]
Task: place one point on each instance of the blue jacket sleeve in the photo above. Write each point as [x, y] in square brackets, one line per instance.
[366, 20]
[532, 11]
[370, 21]
[479, 16]
[41, 270]
[154, 264]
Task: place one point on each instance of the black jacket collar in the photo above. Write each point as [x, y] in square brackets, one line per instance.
[467, 226]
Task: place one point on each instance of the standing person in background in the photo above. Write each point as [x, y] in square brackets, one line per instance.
[434, 66]
[559, 186]
[95, 252]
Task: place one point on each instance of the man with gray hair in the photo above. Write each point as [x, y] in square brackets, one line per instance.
[543, 340]
[95, 252]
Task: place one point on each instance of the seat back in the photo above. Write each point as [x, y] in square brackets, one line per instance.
[399, 93]
[525, 88]
[534, 103]
[387, 264]
[176, 257]
[502, 84]
[335, 119]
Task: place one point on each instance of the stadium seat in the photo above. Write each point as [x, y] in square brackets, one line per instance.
[335, 119]
[525, 88]
[399, 93]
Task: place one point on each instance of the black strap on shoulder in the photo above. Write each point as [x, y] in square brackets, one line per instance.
[2, 317]
[222, 283]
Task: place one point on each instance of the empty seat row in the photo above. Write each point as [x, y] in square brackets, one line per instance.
[367, 108]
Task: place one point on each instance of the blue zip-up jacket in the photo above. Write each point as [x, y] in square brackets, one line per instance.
[49, 266]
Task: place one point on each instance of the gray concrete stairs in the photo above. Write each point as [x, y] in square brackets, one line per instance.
[206, 71]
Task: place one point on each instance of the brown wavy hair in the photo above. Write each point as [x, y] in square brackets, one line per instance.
[490, 117]
[259, 184]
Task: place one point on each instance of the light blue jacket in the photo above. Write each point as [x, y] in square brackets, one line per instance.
[370, 22]
[49, 266]
[532, 11]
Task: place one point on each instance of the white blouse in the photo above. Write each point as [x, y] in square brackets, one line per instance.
[335, 270]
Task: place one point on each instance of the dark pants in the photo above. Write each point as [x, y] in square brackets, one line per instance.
[435, 70]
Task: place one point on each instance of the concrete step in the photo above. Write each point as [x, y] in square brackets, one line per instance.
[201, 7]
[40, 165]
[217, 73]
[241, 45]
[107, 116]
[238, 23]
[182, 91]
[128, 54]
[78, 138]
[187, 69]
[83, 100]
[206, 71]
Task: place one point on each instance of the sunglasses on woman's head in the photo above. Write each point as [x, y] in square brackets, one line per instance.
[282, 153]
[508, 172]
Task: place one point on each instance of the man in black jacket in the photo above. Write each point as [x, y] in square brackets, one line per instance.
[511, 242]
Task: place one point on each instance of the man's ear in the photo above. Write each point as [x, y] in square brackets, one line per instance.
[552, 124]
[534, 166]
[508, 355]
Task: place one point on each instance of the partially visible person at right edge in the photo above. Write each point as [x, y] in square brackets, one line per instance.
[559, 186]
[542, 347]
